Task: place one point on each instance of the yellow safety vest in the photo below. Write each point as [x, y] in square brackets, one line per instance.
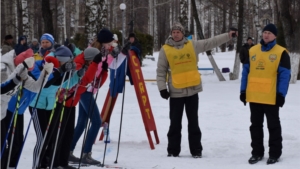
[183, 65]
[37, 57]
[262, 78]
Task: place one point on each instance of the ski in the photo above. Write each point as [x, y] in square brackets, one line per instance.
[97, 165]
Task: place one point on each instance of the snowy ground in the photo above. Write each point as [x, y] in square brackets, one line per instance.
[223, 119]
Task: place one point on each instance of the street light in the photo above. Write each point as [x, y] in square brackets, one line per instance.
[123, 7]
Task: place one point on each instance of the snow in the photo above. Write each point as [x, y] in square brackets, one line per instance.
[223, 119]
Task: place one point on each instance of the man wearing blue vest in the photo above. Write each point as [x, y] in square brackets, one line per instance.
[265, 81]
[178, 59]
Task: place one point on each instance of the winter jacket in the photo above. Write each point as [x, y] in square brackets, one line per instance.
[30, 87]
[244, 53]
[283, 71]
[6, 48]
[48, 93]
[8, 86]
[163, 68]
[19, 48]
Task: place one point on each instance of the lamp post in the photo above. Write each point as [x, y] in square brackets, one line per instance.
[123, 7]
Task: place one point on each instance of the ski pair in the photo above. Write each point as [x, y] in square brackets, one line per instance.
[99, 165]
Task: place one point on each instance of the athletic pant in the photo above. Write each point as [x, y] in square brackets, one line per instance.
[18, 138]
[177, 106]
[65, 137]
[85, 109]
[256, 129]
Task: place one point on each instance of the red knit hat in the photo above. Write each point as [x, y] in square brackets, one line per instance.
[22, 56]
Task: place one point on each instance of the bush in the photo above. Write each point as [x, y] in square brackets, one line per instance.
[79, 40]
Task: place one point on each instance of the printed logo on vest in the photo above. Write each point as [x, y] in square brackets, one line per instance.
[272, 57]
[260, 65]
[253, 58]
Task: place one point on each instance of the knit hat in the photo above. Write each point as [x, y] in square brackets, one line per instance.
[8, 37]
[47, 36]
[34, 40]
[90, 53]
[22, 56]
[63, 54]
[177, 26]
[249, 38]
[131, 35]
[272, 28]
[105, 36]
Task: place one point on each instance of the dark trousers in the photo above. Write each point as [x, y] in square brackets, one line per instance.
[174, 135]
[18, 138]
[65, 137]
[40, 122]
[256, 129]
[3, 143]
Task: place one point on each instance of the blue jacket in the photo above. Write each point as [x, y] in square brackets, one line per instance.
[19, 48]
[48, 93]
[284, 70]
[7, 86]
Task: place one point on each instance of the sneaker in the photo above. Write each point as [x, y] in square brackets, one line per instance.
[87, 159]
[173, 155]
[255, 159]
[73, 159]
[272, 160]
[197, 155]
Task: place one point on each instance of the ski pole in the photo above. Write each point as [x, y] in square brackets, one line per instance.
[121, 120]
[30, 121]
[15, 123]
[49, 123]
[60, 121]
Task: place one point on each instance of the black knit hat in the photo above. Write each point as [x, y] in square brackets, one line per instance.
[131, 35]
[105, 36]
[272, 28]
[8, 37]
[249, 38]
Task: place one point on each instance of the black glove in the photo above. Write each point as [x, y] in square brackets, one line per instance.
[126, 48]
[243, 98]
[164, 94]
[98, 58]
[233, 29]
[68, 66]
[116, 51]
[279, 100]
[82, 71]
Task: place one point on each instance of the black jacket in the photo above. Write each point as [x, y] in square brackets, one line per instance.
[244, 53]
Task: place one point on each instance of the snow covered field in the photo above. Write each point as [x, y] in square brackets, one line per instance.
[223, 119]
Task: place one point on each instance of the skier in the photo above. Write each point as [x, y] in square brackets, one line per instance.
[47, 46]
[62, 59]
[178, 59]
[244, 53]
[103, 43]
[30, 87]
[22, 45]
[264, 84]
[7, 45]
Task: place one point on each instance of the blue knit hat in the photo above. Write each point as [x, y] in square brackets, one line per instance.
[63, 54]
[105, 36]
[47, 36]
[272, 28]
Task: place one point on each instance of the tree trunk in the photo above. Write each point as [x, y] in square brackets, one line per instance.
[201, 36]
[47, 17]
[223, 47]
[236, 68]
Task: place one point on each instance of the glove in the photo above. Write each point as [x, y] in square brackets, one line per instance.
[48, 67]
[115, 52]
[98, 58]
[279, 100]
[243, 98]
[51, 59]
[82, 71]
[126, 48]
[17, 79]
[105, 65]
[164, 94]
[29, 62]
[68, 66]
[23, 74]
[233, 29]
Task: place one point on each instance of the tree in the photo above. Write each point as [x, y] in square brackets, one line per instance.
[47, 17]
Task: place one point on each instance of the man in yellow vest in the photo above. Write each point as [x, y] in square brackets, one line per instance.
[265, 81]
[178, 59]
